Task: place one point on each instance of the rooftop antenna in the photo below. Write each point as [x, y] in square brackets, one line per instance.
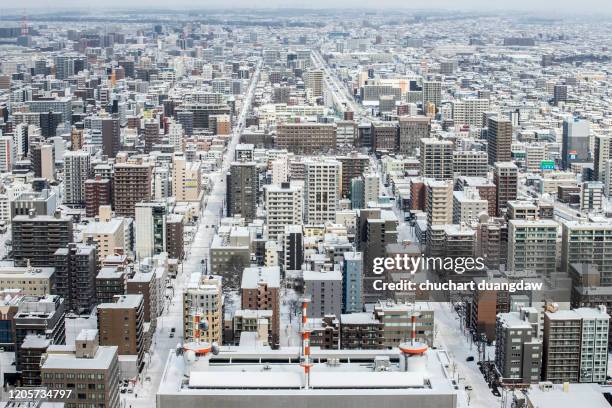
[306, 364]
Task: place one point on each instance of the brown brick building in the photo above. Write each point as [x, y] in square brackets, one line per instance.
[261, 291]
[97, 193]
[306, 138]
[121, 324]
[131, 184]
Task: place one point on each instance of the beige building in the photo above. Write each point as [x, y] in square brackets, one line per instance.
[32, 281]
[203, 302]
[108, 236]
[87, 371]
[186, 180]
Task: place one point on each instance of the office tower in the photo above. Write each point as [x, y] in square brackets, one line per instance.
[39, 316]
[313, 80]
[499, 137]
[432, 93]
[559, 94]
[591, 196]
[384, 136]
[375, 229]
[505, 178]
[352, 276]
[470, 163]
[306, 137]
[131, 185]
[121, 324]
[322, 188]
[468, 206]
[353, 165]
[588, 243]
[357, 193]
[36, 238]
[438, 202]
[176, 136]
[293, 247]
[76, 267]
[174, 236]
[575, 142]
[150, 225]
[532, 246]
[602, 153]
[411, 130]
[535, 154]
[284, 206]
[111, 136]
[97, 193]
[7, 154]
[203, 302]
[518, 351]
[576, 345]
[77, 168]
[324, 289]
[186, 180]
[260, 290]
[86, 366]
[242, 190]
[469, 111]
[436, 158]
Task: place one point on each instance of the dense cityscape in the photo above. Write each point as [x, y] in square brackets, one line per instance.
[309, 208]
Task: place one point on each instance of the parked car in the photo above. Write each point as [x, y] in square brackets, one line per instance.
[470, 358]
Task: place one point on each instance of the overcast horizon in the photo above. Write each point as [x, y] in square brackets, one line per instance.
[538, 6]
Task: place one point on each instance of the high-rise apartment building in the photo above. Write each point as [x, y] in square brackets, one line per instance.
[186, 180]
[97, 193]
[150, 226]
[322, 188]
[131, 185]
[518, 351]
[436, 159]
[36, 238]
[76, 267]
[470, 163]
[260, 290]
[576, 345]
[242, 190]
[438, 202]
[111, 136]
[121, 324]
[505, 178]
[284, 206]
[203, 302]
[532, 246]
[588, 243]
[499, 136]
[77, 168]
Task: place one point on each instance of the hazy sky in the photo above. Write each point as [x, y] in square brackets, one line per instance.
[579, 6]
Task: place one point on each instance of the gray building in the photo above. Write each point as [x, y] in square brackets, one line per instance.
[242, 190]
[518, 351]
[43, 203]
[325, 292]
[575, 148]
[76, 266]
